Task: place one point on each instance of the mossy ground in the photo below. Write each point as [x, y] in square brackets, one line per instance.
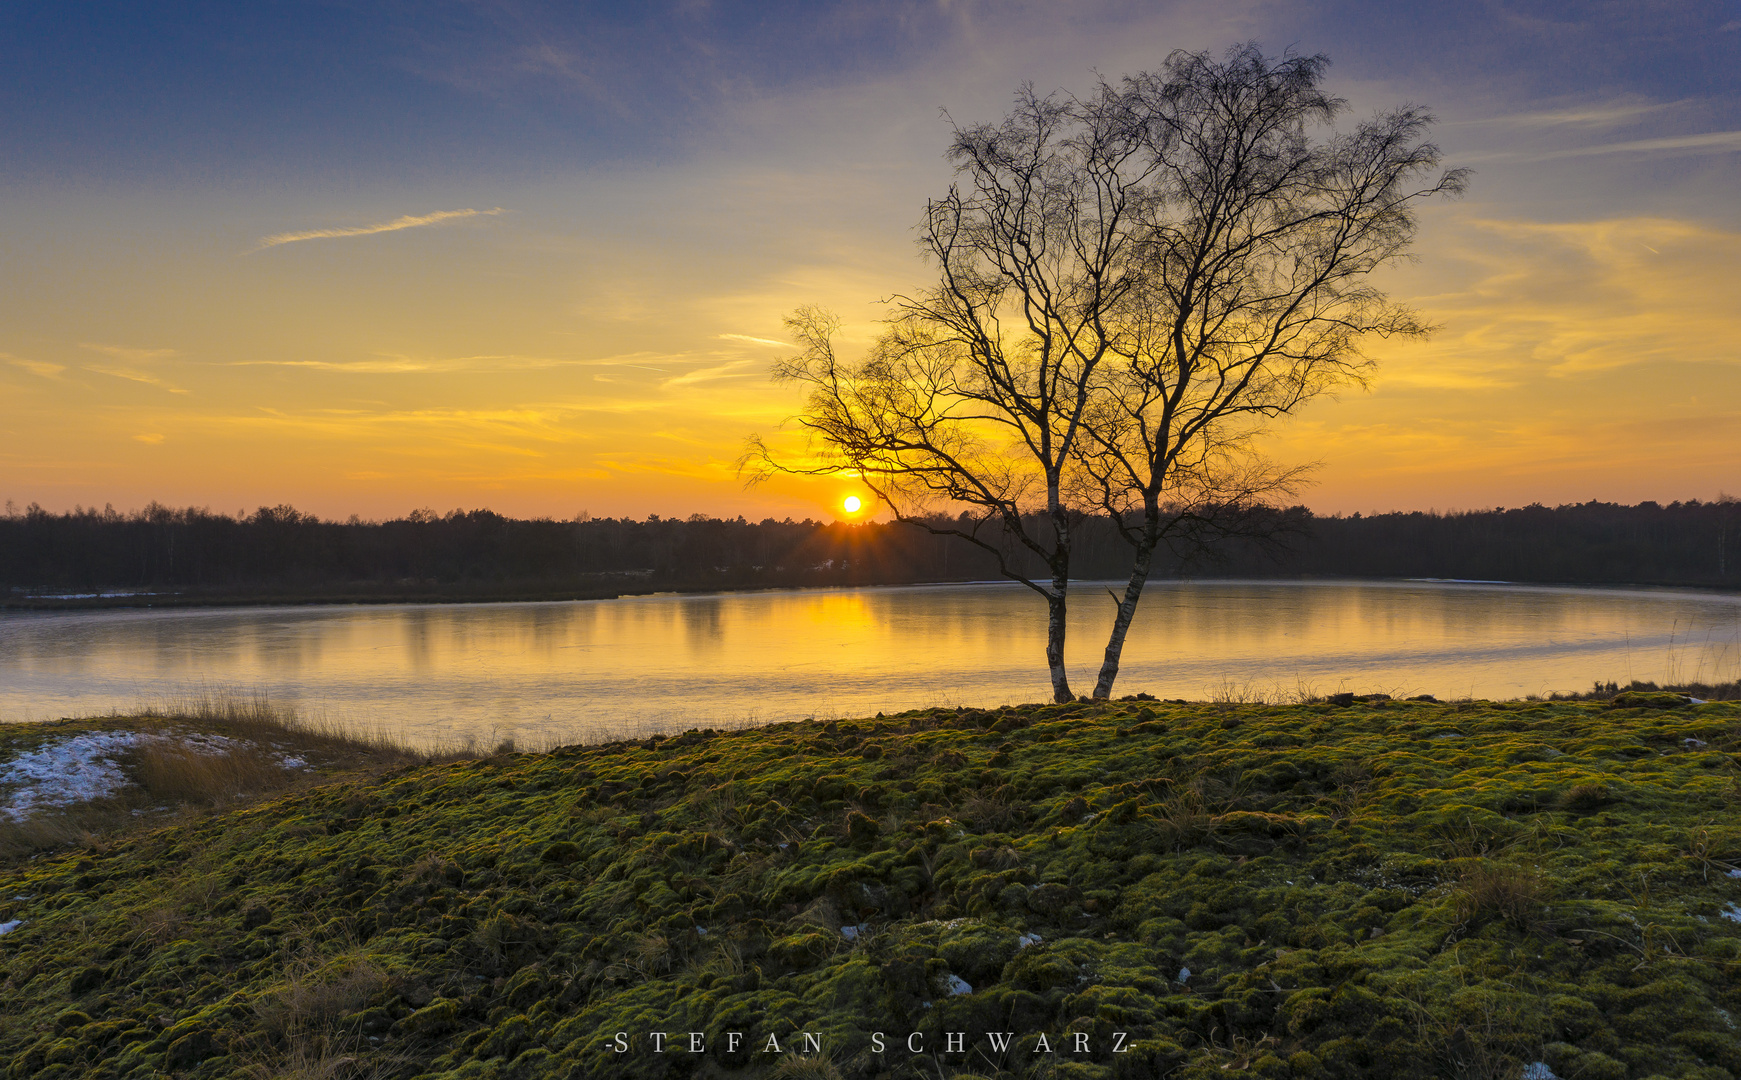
[1387, 889]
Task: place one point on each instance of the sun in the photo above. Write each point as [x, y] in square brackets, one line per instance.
[851, 504]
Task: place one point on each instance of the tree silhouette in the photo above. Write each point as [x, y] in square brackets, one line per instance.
[1127, 286]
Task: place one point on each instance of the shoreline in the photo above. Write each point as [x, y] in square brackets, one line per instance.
[140, 600]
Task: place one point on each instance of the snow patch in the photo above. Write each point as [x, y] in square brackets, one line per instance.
[79, 768]
[851, 933]
[1732, 913]
[1027, 940]
[8, 927]
[958, 986]
[74, 769]
[1184, 973]
[1538, 1070]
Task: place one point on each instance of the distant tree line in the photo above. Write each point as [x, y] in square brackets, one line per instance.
[280, 552]
[1682, 543]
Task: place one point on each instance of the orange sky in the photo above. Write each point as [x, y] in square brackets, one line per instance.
[593, 331]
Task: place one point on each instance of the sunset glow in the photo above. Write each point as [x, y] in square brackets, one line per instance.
[488, 281]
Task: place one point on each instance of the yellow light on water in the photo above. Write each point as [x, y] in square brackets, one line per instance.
[851, 504]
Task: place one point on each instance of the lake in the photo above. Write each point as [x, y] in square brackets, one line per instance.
[563, 672]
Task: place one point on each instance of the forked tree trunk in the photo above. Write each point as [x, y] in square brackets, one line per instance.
[1133, 591]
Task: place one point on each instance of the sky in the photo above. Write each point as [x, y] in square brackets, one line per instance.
[369, 257]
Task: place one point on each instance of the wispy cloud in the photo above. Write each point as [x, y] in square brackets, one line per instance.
[354, 367]
[131, 355]
[409, 221]
[708, 374]
[135, 375]
[399, 364]
[1584, 116]
[1713, 142]
[35, 367]
[756, 340]
[1564, 300]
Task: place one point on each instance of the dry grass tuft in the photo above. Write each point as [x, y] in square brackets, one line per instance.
[77, 826]
[174, 772]
[1489, 890]
[994, 812]
[1585, 798]
[315, 999]
[1481, 1036]
[324, 1063]
[254, 717]
[1182, 818]
[309, 1022]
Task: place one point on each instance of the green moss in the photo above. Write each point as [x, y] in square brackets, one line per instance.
[1382, 890]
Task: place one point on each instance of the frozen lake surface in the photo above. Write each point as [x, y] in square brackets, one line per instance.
[557, 672]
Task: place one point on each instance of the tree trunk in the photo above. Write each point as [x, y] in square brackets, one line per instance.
[1055, 627]
[1133, 591]
[1055, 599]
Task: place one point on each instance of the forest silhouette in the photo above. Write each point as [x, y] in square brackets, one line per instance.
[192, 555]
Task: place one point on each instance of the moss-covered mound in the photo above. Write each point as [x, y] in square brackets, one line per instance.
[1386, 889]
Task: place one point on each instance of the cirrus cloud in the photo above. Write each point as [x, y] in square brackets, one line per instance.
[408, 221]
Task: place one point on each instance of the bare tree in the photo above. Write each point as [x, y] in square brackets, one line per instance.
[1254, 295]
[1125, 284]
[976, 394]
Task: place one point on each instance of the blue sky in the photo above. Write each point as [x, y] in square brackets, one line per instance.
[599, 213]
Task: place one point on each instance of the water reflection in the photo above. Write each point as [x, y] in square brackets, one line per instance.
[575, 669]
[703, 625]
